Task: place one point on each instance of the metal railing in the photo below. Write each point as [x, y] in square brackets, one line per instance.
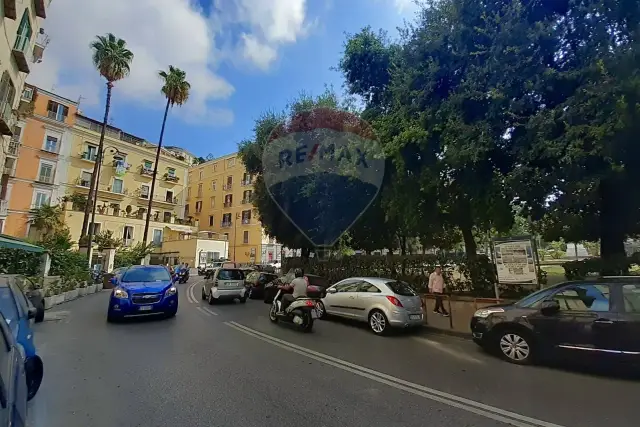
[246, 221]
[246, 182]
[22, 44]
[227, 187]
[225, 224]
[13, 148]
[6, 113]
[47, 179]
[227, 204]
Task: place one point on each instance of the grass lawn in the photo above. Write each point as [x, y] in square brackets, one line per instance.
[555, 274]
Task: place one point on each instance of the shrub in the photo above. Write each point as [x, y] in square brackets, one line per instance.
[577, 270]
[17, 261]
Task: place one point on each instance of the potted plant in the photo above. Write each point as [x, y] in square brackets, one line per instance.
[82, 288]
[71, 292]
[91, 289]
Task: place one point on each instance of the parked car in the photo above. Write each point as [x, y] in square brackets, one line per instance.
[225, 284]
[594, 320]
[382, 303]
[18, 313]
[142, 291]
[34, 296]
[13, 380]
[271, 288]
[255, 282]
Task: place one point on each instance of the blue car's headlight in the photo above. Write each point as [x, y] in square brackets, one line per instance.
[120, 293]
[171, 291]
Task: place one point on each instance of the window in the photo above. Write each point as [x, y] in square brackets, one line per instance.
[213, 202]
[228, 200]
[118, 186]
[631, 297]
[188, 193]
[230, 274]
[96, 227]
[186, 210]
[226, 236]
[213, 185]
[157, 237]
[7, 89]
[226, 219]
[167, 217]
[245, 237]
[27, 93]
[148, 164]
[200, 190]
[231, 162]
[144, 191]
[57, 111]
[171, 172]
[146, 274]
[246, 217]
[85, 179]
[51, 144]
[169, 196]
[41, 199]
[92, 152]
[401, 288]
[200, 172]
[229, 181]
[246, 196]
[46, 173]
[23, 38]
[584, 298]
[368, 287]
[211, 221]
[127, 235]
[198, 207]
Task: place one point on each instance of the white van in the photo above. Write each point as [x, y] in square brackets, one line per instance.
[225, 283]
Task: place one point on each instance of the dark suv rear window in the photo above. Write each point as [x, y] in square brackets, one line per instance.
[401, 288]
[230, 274]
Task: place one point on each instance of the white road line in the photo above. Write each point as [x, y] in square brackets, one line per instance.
[450, 351]
[208, 310]
[465, 404]
[202, 310]
[190, 295]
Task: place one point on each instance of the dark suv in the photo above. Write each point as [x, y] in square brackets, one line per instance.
[599, 318]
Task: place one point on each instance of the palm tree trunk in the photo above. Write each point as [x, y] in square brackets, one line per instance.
[93, 188]
[155, 173]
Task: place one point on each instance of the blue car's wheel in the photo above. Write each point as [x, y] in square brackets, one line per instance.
[111, 318]
[34, 371]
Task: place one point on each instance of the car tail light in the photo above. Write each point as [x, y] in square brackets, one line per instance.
[395, 301]
[310, 303]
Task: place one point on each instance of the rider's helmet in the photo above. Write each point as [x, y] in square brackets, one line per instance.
[298, 272]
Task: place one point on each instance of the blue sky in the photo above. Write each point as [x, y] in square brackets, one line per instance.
[243, 57]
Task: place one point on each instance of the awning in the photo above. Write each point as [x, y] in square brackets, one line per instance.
[181, 228]
[11, 242]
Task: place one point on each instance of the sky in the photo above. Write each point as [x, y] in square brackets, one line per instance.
[242, 58]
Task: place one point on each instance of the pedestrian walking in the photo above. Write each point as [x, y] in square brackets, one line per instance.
[436, 287]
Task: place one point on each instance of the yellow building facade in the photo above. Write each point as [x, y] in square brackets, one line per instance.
[219, 196]
[124, 186]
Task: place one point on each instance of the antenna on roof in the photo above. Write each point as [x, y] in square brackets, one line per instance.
[111, 120]
[80, 98]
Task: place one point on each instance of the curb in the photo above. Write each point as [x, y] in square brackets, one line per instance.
[427, 330]
[75, 299]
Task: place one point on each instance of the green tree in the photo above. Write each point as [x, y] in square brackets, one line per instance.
[176, 90]
[48, 220]
[112, 59]
[106, 240]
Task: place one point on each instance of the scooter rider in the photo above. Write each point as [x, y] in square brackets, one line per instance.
[299, 287]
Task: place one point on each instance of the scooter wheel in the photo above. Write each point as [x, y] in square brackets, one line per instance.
[272, 313]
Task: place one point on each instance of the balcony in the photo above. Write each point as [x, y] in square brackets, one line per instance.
[57, 116]
[89, 157]
[40, 8]
[4, 207]
[14, 148]
[171, 178]
[146, 171]
[246, 182]
[162, 201]
[10, 9]
[120, 163]
[247, 201]
[227, 187]
[6, 118]
[105, 193]
[227, 204]
[45, 179]
[21, 52]
[246, 221]
[42, 41]
[225, 224]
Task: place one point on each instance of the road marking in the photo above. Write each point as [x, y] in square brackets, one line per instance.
[203, 311]
[465, 404]
[450, 351]
[190, 295]
[208, 310]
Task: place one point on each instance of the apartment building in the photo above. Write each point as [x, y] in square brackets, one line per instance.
[37, 157]
[219, 196]
[124, 186]
[22, 46]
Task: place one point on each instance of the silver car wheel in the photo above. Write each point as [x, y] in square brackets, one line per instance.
[320, 309]
[377, 322]
[514, 347]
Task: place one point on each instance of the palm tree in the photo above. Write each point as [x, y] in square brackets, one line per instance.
[112, 59]
[48, 220]
[176, 89]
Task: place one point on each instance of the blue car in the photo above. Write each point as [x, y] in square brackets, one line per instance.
[13, 381]
[143, 291]
[18, 312]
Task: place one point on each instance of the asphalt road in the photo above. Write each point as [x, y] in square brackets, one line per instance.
[227, 365]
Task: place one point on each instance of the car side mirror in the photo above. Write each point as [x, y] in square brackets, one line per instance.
[332, 290]
[175, 278]
[549, 307]
[32, 312]
[113, 281]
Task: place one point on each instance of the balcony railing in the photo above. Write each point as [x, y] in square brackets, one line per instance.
[247, 201]
[246, 221]
[84, 183]
[45, 179]
[4, 207]
[227, 187]
[225, 224]
[246, 182]
[91, 157]
[14, 148]
[227, 204]
[56, 115]
[146, 171]
[6, 118]
[21, 52]
[171, 178]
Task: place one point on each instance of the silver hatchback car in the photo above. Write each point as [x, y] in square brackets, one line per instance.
[382, 303]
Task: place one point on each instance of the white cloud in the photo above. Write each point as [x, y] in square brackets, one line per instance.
[162, 33]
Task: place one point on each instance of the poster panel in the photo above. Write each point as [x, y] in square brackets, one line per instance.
[515, 260]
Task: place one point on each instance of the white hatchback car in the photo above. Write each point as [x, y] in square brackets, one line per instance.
[225, 283]
[382, 303]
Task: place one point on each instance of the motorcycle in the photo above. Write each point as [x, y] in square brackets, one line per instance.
[302, 312]
[183, 276]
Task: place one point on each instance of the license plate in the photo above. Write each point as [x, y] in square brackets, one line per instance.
[415, 317]
[145, 308]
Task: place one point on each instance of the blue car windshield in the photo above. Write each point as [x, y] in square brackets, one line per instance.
[8, 305]
[145, 275]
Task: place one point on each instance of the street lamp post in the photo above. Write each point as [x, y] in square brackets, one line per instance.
[95, 198]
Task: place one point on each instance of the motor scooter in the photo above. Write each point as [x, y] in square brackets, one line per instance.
[183, 276]
[301, 312]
